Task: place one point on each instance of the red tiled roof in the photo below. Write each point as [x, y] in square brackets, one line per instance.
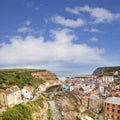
[114, 93]
[102, 84]
[85, 98]
[29, 88]
[95, 92]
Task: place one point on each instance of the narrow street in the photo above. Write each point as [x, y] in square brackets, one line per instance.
[56, 115]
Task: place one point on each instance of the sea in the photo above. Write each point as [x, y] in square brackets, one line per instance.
[62, 75]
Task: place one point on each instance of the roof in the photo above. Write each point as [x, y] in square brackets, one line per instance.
[102, 84]
[28, 88]
[8, 91]
[15, 88]
[1, 91]
[113, 100]
[94, 97]
[114, 93]
[86, 87]
[95, 92]
[85, 98]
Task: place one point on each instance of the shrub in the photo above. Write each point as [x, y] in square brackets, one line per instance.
[25, 110]
[12, 114]
[19, 112]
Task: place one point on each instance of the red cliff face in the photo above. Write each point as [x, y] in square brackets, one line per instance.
[45, 75]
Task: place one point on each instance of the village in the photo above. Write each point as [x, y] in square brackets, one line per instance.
[97, 97]
[14, 95]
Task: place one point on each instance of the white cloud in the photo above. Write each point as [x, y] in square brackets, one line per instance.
[37, 51]
[68, 22]
[73, 11]
[27, 23]
[94, 39]
[101, 15]
[91, 30]
[25, 30]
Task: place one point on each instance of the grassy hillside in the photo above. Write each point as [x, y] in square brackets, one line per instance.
[24, 111]
[20, 77]
[106, 70]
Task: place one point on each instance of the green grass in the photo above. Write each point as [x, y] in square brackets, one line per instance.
[23, 111]
[20, 77]
[18, 112]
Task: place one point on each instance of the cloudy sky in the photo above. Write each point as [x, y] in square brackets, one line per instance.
[59, 35]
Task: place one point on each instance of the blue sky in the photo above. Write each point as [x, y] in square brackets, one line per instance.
[60, 35]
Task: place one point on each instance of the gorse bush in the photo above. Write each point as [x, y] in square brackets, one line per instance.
[19, 112]
[12, 114]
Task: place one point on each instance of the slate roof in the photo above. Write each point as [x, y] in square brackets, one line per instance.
[113, 100]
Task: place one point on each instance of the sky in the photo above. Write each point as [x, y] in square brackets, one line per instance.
[59, 35]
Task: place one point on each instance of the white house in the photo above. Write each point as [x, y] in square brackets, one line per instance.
[27, 92]
[40, 88]
[108, 79]
[87, 89]
[71, 88]
[11, 96]
[17, 94]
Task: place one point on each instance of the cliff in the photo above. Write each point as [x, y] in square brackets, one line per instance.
[32, 110]
[106, 70]
[21, 77]
[40, 109]
[45, 75]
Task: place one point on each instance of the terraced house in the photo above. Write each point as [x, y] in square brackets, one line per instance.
[112, 108]
[11, 96]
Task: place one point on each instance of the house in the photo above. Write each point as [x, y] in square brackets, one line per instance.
[71, 88]
[87, 89]
[8, 97]
[41, 88]
[112, 108]
[95, 92]
[85, 101]
[102, 88]
[27, 92]
[17, 94]
[95, 103]
[2, 98]
[65, 88]
[11, 96]
[108, 79]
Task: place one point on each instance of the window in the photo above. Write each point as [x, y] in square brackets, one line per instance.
[118, 118]
[112, 116]
[107, 109]
[118, 106]
[113, 105]
[112, 110]
[118, 111]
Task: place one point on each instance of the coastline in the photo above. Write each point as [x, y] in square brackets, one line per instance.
[62, 75]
